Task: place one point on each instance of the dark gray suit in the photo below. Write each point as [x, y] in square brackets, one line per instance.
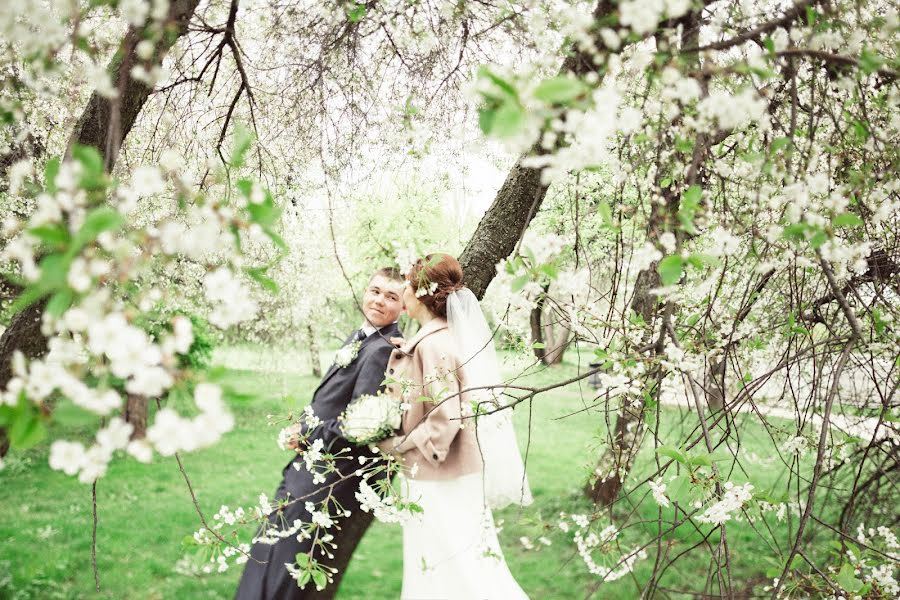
[270, 579]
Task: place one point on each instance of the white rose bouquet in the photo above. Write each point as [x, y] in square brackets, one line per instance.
[369, 419]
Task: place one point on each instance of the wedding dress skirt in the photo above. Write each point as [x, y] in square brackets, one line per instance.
[451, 551]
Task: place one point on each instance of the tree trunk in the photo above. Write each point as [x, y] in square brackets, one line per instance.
[537, 326]
[551, 336]
[136, 414]
[104, 124]
[616, 462]
[556, 336]
[314, 357]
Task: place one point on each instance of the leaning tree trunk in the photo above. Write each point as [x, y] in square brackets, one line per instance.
[104, 124]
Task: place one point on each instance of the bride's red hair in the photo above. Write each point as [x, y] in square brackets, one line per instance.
[437, 268]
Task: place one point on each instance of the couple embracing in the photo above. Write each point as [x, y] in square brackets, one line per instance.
[456, 467]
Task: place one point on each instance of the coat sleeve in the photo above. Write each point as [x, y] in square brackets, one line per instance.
[440, 394]
[368, 381]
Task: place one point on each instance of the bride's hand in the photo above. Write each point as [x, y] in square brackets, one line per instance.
[390, 445]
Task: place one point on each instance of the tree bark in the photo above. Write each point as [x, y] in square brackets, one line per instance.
[552, 336]
[314, 357]
[537, 326]
[136, 414]
[104, 124]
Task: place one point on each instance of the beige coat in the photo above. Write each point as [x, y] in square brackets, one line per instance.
[424, 372]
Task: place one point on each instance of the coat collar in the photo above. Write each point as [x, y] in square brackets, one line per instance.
[432, 326]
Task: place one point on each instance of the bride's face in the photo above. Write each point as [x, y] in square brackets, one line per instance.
[414, 308]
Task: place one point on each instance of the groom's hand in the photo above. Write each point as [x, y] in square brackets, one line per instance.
[296, 442]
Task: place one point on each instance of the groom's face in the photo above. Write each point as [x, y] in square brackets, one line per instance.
[382, 301]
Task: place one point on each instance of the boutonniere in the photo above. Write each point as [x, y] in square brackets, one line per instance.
[347, 354]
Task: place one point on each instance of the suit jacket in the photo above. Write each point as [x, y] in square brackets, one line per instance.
[438, 443]
[265, 577]
[340, 385]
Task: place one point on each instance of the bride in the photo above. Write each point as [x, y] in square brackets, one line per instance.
[455, 467]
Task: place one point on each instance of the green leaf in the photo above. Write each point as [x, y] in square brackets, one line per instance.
[276, 239]
[550, 270]
[302, 560]
[486, 119]
[795, 232]
[846, 220]
[319, 579]
[51, 170]
[508, 119]
[519, 282]
[692, 195]
[52, 234]
[506, 88]
[54, 268]
[818, 238]
[779, 143]
[265, 214]
[304, 579]
[673, 453]
[60, 302]
[684, 145]
[97, 221]
[811, 16]
[680, 490]
[707, 459]
[605, 213]
[258, 274]
[90, 159]
[670, 269]
[690, 201]
[847, 579]
[70, 414]
[538, 345]
[356, 12]
[559, 90]
[870, 61]
[243, 139]
[26, 431]
[245, 186]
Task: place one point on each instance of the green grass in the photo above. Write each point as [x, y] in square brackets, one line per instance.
[145, 510]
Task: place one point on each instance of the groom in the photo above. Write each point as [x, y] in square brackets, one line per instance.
[266, 577]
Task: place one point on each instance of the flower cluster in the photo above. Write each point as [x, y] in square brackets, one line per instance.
[347, 354]
[733, 499]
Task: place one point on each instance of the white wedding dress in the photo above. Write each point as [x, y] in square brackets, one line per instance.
[451, 551]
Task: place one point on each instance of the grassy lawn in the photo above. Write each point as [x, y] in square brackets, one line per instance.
[145, 510]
